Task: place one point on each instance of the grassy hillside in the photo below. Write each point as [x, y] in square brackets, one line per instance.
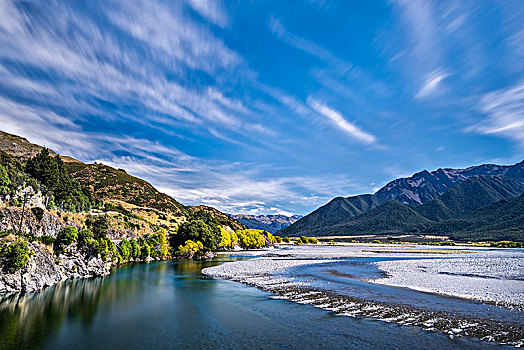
[131, 203]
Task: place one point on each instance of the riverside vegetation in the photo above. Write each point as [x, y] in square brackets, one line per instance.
[61, 218]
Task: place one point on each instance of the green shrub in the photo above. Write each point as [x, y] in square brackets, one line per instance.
[145, 251]
[67, 235]
[125, 249]
[85, 236]
[46, 239]
[4, 177]
[190, 249]
[286, 239]
[99, 227]
[16, 255]
[135, 249]
[507, 244]
[38, 213]
[313, 240]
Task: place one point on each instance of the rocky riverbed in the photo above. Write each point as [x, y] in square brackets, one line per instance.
[298, 274]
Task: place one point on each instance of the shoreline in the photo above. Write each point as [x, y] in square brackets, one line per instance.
[269, 273]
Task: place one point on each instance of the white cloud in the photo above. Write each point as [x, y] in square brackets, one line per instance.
[431, 83]
[211, 10]
[505, 113]
[339, 121]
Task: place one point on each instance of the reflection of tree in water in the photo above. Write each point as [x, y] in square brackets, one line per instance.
[28, 319]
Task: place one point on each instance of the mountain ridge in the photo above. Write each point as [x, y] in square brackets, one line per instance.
[270, 223]
[466, 190]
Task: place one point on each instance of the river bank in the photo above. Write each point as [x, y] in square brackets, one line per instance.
[171, 304]
[351, 282]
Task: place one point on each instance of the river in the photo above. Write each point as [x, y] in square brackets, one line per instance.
[170, 304]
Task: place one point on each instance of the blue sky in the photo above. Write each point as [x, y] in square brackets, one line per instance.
[266, 107]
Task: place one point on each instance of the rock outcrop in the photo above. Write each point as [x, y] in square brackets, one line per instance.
[45, 269]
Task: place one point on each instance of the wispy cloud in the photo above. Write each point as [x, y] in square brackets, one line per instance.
[340, 122]
[505, 113]
[431, 83]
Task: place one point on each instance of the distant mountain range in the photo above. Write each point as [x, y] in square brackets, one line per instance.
[445, 201]
[269, 223]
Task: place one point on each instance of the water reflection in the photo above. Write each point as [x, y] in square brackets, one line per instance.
[169, 304]
[28, 319]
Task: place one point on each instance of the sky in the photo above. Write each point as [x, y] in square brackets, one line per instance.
[266, 107]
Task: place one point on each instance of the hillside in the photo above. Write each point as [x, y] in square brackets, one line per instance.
[471, 195]
[502, 220]
[391, 217]
[269, 223]
[132, 204]
[337, 211]
[426, 186]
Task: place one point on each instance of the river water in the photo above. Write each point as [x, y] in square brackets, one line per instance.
[170, 304]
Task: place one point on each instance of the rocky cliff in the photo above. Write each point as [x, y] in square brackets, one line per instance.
[45, 269]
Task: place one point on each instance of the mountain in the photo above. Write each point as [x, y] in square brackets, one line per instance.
[337, 211]
[269, 223]
[426, 186]
[471, 195]
[434, 196]
[502, 220]
[139, 204]
[391, 217]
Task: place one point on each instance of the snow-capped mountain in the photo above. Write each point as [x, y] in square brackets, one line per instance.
[269, 223]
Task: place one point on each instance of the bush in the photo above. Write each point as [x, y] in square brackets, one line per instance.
[145, 251]
[135, 249]
[38, 213]
[85, 236]
[125, 249]
[313, 240]
[189, 249]
[99, 227]
[67, 235]
[16, 255]
[507, 244]
[46, 239]
[286, 239]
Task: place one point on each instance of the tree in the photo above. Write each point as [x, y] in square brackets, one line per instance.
[67, 235]
[226, 239]
[251, 239]
[145, 251]
[125, 249]
[99, 227]
[16, 254]
[4, 177]
[189, 249]
[135, 249]
[198, 230]
[53, 175]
